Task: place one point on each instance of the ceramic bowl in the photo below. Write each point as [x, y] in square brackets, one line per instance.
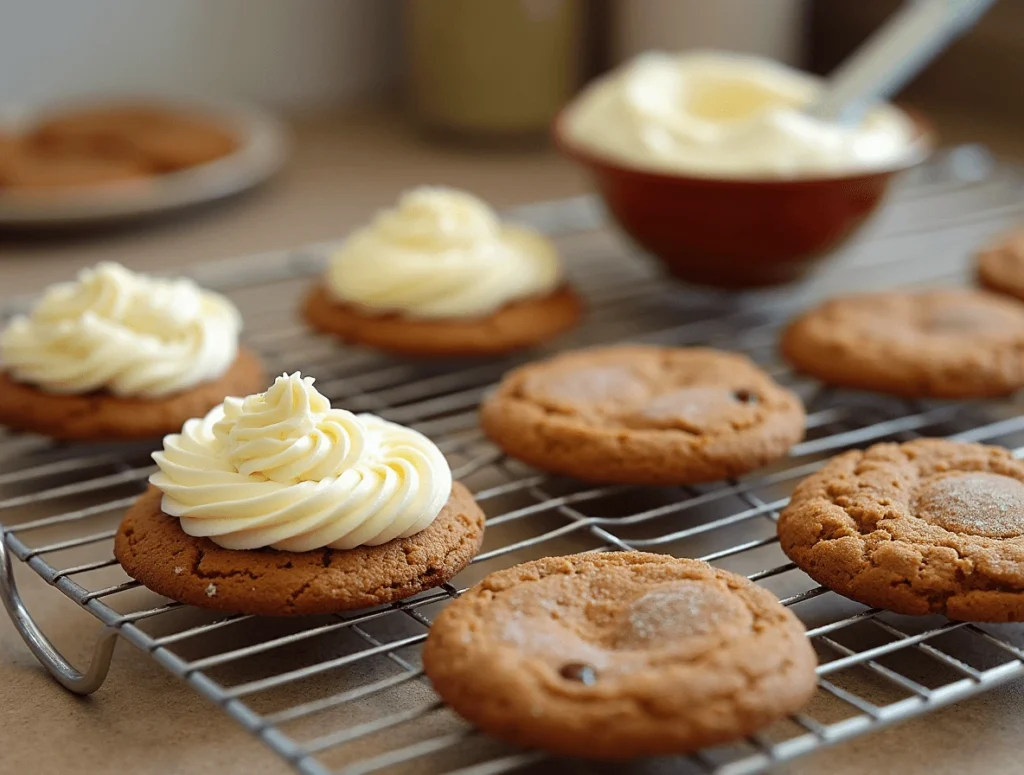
[737, 233]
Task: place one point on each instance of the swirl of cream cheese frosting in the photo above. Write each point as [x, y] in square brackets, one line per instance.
[728, 115]
[126, 333]
[442, 253]
[283, 469]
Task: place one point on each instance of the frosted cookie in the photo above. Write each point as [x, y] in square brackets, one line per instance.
[619, 655]
[278, 504]
[441, 275]
[1001, 264]
[643, 415]
[118, 355]
[925, 527]
[939, 343]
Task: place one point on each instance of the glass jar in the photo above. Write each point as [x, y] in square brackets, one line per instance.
[492, 68]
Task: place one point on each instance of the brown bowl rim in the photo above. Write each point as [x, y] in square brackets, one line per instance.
[923, 147]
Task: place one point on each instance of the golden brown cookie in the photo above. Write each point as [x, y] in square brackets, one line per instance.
[938, 343]
[101, 416]
[153, 549]
[515, 326]
[29, 169]
[926, 527]
[619, 655]
[9, 148]
[644, 415]
[163, 139]
[1001, 264]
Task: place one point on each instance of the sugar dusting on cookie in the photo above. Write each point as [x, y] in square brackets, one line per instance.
[975, 503]
[696, 409]
[587, 385]
[684, 609]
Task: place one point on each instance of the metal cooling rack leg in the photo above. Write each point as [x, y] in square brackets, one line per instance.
[62, 670]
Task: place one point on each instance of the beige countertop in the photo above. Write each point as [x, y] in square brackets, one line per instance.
[147, 722]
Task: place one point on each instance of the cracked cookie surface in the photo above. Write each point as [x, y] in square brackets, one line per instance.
[153, 549]
[101, 416]
[1001, 264]
[926, 527]
[938, 343]
[619, 655]
[644, 415]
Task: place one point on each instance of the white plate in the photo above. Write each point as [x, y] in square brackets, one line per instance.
[262, 149]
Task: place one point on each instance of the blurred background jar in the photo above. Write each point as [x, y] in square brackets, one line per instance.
[492, 69]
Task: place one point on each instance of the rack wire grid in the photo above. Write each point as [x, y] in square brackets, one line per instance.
[346, 694]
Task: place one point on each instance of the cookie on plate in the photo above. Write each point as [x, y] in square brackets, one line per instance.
[926, 527]
[1001, 264]
[30, 169]
[162, 139]
[441, 275]
[644, 415]
[619, 655]
[937, 343]
[9, 149]
[280, 505]
[118, 355]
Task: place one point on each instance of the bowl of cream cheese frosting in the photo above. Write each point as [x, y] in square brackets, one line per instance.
[709, 162]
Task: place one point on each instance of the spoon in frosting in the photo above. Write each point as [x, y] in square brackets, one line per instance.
[894, 54]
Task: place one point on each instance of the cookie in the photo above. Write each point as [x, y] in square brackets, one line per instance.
[161, 138]
[37, 170]
[619, 655]
[644, 415]
[938, 343]
[1001, 265]
[101, 416]
[925, 527]
[153, 549]
[515, 326]
[9, 149]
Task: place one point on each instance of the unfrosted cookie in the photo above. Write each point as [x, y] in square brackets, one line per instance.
[153, 549]
[101, 416]
[619, 655]
[926, 527]
[9, 149]
[30, 169]
[1001, 264]
[517, 325]
[163, 139]
[644, 415]
[938, 343]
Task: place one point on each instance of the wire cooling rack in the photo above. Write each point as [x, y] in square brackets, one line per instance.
[347, 695]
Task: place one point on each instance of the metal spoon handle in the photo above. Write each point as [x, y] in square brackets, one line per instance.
[894, 54]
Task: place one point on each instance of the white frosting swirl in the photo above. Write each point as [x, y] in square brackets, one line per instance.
[285, 470]
[442, 254]
[125, 333]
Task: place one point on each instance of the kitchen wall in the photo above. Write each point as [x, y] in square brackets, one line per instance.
[293, 54]
[314, 54]
[980, 75]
